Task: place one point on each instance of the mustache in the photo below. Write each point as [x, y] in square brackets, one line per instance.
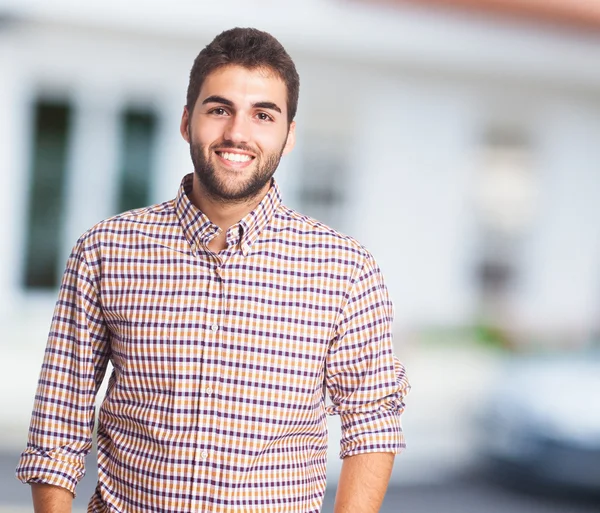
[234, 146]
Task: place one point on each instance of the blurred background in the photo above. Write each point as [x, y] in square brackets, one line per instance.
[459, 140]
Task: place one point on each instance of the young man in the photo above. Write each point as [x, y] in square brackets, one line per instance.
[225, 315]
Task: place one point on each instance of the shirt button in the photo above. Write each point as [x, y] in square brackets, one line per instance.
[214, 327]
[219, 271]
[204, 455]
[208, 390]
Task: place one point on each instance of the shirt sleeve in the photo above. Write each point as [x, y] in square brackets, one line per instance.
[365, 381]
[62, 422]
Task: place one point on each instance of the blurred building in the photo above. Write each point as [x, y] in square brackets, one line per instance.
[461, 146]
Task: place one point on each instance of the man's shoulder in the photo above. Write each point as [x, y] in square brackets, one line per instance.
[147, 219]
[317, 234]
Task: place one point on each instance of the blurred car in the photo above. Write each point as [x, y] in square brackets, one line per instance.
[541, 425]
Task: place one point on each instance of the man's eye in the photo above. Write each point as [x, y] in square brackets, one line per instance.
[219, 111]
[264, 117]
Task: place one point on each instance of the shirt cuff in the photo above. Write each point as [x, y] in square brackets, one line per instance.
[380, 431]
[49, 468]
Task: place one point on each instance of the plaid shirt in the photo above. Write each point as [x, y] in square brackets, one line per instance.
[216, 401]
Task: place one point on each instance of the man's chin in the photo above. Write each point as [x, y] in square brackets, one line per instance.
[235, 192]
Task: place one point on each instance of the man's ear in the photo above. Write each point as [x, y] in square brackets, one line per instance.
[184, 128]
[291, 139]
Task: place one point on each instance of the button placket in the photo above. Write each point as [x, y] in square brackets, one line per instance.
[203, 455]
[206, 392]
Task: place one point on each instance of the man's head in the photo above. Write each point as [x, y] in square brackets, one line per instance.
[238, 121]
[251, 49]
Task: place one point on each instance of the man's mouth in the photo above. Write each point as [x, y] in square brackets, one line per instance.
[234, 157]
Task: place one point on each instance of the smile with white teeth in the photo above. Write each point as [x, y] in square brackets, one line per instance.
[235, 157]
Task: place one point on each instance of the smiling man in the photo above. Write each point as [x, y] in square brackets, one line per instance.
[226, 316]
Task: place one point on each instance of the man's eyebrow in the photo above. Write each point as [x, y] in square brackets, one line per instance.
[224, 101]
[267, 105]
[217, 99]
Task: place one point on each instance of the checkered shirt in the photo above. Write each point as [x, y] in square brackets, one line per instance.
[216, 402]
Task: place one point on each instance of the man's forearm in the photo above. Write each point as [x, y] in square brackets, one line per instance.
[363, 482]
[51, 499]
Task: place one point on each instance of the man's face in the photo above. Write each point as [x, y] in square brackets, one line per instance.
[238, 132]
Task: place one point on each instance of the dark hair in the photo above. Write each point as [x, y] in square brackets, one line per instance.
[250, 48]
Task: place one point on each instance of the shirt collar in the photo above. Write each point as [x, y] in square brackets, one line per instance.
[199, 230]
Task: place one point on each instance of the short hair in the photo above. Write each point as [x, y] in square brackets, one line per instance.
[250, 48]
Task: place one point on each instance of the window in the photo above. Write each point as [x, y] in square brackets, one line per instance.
[135, 172]
[52, 124]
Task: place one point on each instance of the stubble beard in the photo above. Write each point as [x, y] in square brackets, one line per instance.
[218, 189]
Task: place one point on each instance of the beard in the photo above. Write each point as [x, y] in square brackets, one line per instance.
[224, 190]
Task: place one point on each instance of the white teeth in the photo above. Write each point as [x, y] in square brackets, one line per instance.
[236, 157]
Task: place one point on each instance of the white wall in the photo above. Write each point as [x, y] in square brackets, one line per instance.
[413, 163]
[561, 281]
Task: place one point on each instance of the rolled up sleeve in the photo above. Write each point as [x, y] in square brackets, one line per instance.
[365, 381]
[62, 422]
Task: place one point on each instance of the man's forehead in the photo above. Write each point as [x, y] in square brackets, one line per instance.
[238, 79]
[263, 71]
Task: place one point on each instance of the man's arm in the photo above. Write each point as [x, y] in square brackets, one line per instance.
[363, 482]
[51, 499]
[366, 384]
[75, 360]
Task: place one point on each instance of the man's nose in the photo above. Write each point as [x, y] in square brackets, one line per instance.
[238, 129]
